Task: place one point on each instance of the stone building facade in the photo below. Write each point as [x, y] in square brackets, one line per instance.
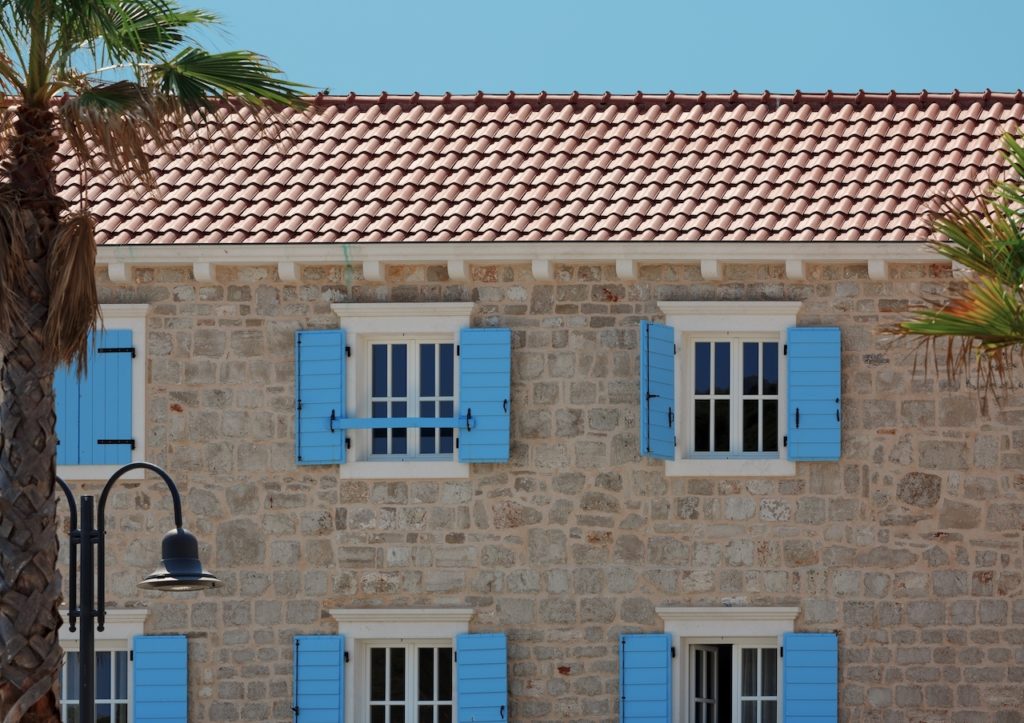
[909, 547]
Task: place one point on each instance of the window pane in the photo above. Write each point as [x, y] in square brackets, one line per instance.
[447, 409]
[750, 430]
[399, 370]
[721, 425]
[121, 713]
[698, 674]
[378, 714]
[103, 713]
[748, 712]
[426, 674]
[750, 349]
[380, 441]
[771, 368]
[428, 409]
[71, 688]
[702, 426]
[769, 672]
[444, 674]
[379, 352]
[447, 441]
[702, 368]
[444, 714]
[427, 363]
[769, 711]
[378, 673]
[103, 676]
[379, 410]
[397, 676]
[722, 370]
[121, 678]
[748, 672]
[398, 714]
[73, 710]
[428, 442]
[770, 425]
[399, 441]
[426, 714]
[447, 359]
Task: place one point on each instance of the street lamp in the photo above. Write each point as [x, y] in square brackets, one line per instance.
[179, 570]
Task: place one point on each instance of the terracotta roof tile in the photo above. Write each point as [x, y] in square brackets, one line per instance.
[400, 168]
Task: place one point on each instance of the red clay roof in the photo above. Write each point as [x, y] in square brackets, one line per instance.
[533, 168]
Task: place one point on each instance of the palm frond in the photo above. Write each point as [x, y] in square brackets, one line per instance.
[150, 30]
[197, 77]
[113, 123]
[982, 321]
[74, 303]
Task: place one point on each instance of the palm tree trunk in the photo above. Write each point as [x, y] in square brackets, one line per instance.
[30, 584]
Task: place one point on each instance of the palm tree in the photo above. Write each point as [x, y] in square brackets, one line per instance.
[982, 321]
[111, 80]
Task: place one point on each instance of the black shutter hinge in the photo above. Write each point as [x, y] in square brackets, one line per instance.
[785, 441]
[785, 349]
[346, 656]
[675, 349]
[298, 405]
[455, 656]
[458, 350]
[117, 441]
[131, 655]
[348, 351]
[117, 350]
[673, 651]
[348, 445]
[782, 651]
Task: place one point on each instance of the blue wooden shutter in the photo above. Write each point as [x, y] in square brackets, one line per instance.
[645, 678]
[105, 412]
[657, 391]
[814, 426]
[67, 404]
[319, 394]
[319, 678]
[160, 678]
[481, 662]
[810, 677]
[485, 366]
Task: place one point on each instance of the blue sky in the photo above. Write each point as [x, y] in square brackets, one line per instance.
[463, 46]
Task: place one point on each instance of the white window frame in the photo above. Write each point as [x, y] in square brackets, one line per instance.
[365, 324]
[133, 317]
[725, 321]
[739, 626]
[365, 628]
[411, 646]
[120, 628]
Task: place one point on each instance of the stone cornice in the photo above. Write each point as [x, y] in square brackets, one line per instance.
[401, 615]
[373, 258]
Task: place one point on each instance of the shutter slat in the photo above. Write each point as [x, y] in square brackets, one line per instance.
[105, 394]
[319, 678]
[160, 678]
[645, 678]
[485, 363]
[482, 677]
[67, 404]
[814, 388]
[810, 678]
[319, 390]
[657, 391]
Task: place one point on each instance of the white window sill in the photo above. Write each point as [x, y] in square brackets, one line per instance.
[730, 468]
[410, 469]
[90, 472]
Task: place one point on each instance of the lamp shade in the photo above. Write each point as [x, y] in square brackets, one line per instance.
[180, 569]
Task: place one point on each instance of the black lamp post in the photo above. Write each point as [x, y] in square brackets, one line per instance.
[179, 570]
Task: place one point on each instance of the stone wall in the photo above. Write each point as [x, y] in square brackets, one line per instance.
[910, 547]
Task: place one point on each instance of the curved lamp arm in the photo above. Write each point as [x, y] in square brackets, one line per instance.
[101, 526]
[72, 554]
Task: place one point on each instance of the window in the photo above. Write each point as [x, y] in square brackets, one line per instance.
[409, 682]
[412, 375]
[755, 392]
[730, 671]
[113, 667]
[403, 391]
[112, 685]
[733, 682]
[101, 416]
